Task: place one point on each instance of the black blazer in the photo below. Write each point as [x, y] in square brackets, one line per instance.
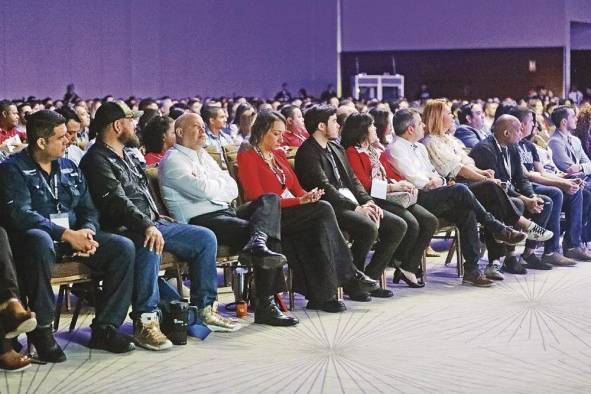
[314, 169]
[487, 156]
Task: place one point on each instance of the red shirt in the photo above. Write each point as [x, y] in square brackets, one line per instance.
[292, 138]
[361, 165]
[257, 178]
[153, 158]
[6, 134]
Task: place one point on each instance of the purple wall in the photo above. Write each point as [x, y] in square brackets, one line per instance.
[457, 24]
[173, 47]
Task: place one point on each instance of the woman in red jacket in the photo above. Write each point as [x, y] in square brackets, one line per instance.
[360, 140]
[312, 241]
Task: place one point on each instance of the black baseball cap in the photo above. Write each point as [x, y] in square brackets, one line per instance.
[110, 112]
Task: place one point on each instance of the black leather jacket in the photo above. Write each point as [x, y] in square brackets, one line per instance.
[119, 189]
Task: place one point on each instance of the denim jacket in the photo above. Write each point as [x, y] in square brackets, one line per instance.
[27, 198]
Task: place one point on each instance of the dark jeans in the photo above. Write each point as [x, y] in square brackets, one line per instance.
[193, 244]
[495, 249]
[586, 219]
[457, 205]
[420, 227]
[315, 250]
[113, 263]
[234, 228]
[364, 232]
[572, 205]
[8, 283]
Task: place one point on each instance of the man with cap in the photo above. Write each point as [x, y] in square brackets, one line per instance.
[119, 187]
[49, 215]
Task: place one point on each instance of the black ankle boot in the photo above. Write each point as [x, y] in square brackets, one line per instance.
[257, 253]
[47, 348]
[267, 312]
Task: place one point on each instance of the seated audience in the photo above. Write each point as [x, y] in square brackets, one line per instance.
[472, 127]
[359, 138]
[9, 135]
[245, 114]
[119, 187]
[296, 132]
[453, 163]
[24, 110]
[49, 215]
[565, 193]
[499, 152]
[583, 129]
[14, 318]
[322, 163]
[455, 203]
[158, 136]
[197, 191]
[311, 239]
[215, 119]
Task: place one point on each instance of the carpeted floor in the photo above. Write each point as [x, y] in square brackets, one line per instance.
[528, 334]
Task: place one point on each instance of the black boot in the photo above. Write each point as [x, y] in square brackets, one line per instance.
[47, 348]
[258, 254]
[267, 312]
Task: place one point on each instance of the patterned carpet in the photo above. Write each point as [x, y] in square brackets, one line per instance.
[528, 334]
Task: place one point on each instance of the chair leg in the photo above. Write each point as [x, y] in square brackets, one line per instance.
[290, 291]
[451, 251]
[58, 306]
[340, 293]
[383, 280]
[424, 267]
[459, 257]
[76, 313]
[179, 281]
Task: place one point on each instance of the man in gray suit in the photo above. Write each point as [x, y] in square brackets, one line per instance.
[570, 158]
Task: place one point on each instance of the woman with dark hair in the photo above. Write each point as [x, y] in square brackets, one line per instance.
[296, 132]
[359, 138]
[245, 121]
[158, 137]
[583, 130]
[312, 241]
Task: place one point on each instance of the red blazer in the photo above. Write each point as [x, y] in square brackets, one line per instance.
[257, 178]
[362, 167]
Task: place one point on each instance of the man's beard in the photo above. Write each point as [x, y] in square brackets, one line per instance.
[130, 140]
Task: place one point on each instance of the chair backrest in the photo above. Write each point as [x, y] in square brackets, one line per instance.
[154, 185]
[217, 156]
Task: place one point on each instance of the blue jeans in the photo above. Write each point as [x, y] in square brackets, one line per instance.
[573, 208]
[193, 244]
[113, 262]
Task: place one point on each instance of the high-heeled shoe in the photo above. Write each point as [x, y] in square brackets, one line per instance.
[398, 275]
[11, 361]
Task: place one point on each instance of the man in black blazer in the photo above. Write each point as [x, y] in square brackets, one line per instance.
[322, 163]
[499, 152]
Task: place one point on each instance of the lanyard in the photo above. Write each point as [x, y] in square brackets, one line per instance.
[53, 189]
[274, 166]
[335, 169]
[506, 159]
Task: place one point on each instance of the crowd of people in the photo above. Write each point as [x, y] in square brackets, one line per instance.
[369, 186]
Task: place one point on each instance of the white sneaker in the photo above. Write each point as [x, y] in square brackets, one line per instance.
[537, 233]
[493, 271]
[216, 322]
[147, 334]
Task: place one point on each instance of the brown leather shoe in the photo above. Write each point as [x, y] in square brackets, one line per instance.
[509, 236]
[476, 278]
[16, 319]
[579, 254]
[11, 361]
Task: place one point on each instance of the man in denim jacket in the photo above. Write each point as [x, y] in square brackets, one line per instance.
[48, 211]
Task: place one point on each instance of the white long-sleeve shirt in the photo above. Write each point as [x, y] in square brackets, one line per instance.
[411, 160]
[193, 184]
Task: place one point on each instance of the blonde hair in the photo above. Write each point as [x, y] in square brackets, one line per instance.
[433, 116]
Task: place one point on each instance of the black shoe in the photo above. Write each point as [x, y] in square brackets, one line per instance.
[257, 253]
[109, 339]
[363, 283]
[267, 312]
[47, 348]
[398, 275]
[512, 265]
[359, 296]
[534, 263]
[509, 236]
[332, 306]
[381, 293]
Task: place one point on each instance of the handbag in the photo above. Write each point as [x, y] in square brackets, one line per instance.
[402, 199]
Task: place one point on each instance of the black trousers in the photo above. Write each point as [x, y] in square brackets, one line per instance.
[234, 228]
[8, 283]
[506, 209]
[316, 250]
[364, 232]
[456, 204]
[420, 227]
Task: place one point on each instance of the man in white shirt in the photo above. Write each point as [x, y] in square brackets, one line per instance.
[197, 191]
[73, 127]
[456, 203]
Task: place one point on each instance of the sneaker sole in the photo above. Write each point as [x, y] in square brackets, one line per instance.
[477, 285]
[26, 326]
[154, 348]
[494, 277]
[223, 329]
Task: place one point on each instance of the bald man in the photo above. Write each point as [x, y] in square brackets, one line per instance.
[197, 191]
[500, 153]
